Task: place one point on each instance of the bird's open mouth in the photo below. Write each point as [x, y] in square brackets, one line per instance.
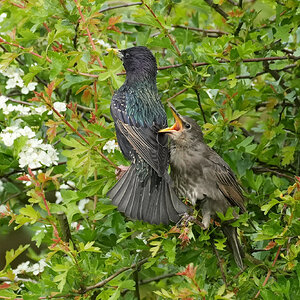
[178, 124]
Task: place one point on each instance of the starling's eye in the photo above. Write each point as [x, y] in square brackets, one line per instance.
[187, 125]
[127, 55]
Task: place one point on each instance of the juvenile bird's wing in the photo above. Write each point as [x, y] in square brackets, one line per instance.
[226, 180]
[146, 141]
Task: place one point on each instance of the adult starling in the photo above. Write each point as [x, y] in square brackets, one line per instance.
[203, 177]
[144, 192]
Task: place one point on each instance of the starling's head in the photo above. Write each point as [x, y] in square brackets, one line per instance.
[185, 131]
[138, 62]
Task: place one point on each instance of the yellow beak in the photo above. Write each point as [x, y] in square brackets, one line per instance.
[178, 124]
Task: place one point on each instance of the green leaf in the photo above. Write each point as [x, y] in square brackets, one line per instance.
[170, 248]
[30, 212]
[11, 255]
[265, 208]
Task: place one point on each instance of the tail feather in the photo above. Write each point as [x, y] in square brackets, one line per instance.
[233, 242]
[151, 200]
[119, 189]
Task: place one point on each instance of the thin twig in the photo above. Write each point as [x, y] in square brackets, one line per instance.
[200, 105]
[208, 31]
[177, 94]
[270, 271]
[233, 2]
[89, 33]
[217, 8]
[119, 6]
[122, 270]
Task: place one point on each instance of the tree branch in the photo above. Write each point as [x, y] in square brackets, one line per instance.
[177, 94]
[120, 271]
[119, 6]
[217, 8]
[207, 31]
[276, 172]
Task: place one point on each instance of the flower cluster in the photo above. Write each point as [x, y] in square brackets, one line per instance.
[15, 80]
[102, 43]
[35, 153]
[10, 134]
[36, 268]
[111, 146]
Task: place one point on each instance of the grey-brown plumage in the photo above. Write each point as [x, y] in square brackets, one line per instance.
[203, 177]
[144, 192]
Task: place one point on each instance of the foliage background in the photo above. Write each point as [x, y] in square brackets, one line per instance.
[238, 60]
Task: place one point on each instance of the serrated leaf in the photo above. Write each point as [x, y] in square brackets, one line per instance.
[12, 254]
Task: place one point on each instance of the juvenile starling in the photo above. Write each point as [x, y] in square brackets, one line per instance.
[144, 192]
[203, 177]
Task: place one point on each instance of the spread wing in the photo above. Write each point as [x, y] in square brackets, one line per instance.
[146, 141]
[226, 180]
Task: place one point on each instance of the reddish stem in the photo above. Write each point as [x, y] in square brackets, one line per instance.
[89, 33]
[163, 28]
[270, 271]
[20, 47]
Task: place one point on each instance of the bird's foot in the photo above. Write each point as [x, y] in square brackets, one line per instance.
[186, 218]
[121, 171]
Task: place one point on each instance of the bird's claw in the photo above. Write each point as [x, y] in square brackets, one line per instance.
[121, 171]
[186, 218]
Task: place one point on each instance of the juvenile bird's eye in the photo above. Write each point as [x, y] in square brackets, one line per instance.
[187, 125]
[127, 55]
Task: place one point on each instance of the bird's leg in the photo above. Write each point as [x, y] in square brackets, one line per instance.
[186, 218]
[121, 171]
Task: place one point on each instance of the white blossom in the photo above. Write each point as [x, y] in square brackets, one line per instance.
[60, 106]
[74, 225]
[39, 267]
[3, 208]
[38, 110]
[35, 268]
[30, 87]
[103, 43]
[8, 109]
[81, 205]
[2, 17]
[35, 154]
[22, 268]
[58, 196]
[111, 146]
[1, 187]
[3, 100]
[9, 134]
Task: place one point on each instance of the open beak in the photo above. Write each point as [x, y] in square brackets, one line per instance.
[178, 124]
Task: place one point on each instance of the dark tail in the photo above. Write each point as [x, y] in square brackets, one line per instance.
[234, 244]
[151, 200]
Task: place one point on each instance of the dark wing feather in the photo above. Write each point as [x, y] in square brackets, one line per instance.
[150, 145]
[226, 180]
